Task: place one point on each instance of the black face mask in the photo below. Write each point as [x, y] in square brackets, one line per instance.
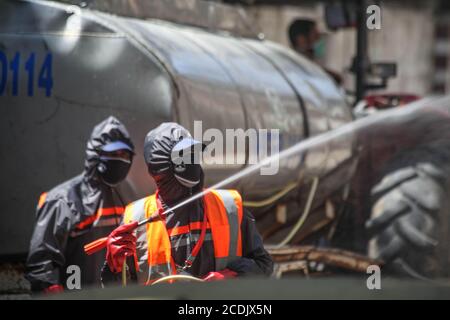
[172, 191]
[112, 172]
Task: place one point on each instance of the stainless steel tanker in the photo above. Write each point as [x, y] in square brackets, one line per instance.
[64, 68]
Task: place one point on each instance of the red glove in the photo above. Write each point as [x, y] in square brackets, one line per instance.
[121, 244]
[220, 275]
[56, 288]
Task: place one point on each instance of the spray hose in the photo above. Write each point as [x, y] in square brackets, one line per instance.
[177, 277]
[304, 215]
[99, 244]
[272, 199]
[288, 238]
[160, 280]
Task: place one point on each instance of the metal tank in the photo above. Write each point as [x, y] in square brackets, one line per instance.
[64, 68]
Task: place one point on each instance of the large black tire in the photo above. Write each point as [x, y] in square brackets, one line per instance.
[409, 224]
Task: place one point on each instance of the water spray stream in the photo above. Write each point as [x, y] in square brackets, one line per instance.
[316, 141]
[410, 115]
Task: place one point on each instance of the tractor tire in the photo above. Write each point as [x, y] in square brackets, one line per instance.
[410, 220]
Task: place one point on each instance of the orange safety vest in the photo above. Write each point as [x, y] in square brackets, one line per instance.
[224, 211]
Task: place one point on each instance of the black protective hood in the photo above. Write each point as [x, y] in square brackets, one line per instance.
[109, 130]
[158, 148]
[93, 193]
[68, 219]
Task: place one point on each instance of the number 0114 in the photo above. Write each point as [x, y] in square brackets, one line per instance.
[10, 70]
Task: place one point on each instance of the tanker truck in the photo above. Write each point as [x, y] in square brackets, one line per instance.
[66, 67]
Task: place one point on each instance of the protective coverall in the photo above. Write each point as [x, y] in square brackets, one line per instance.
[78, 211]
[175, 183]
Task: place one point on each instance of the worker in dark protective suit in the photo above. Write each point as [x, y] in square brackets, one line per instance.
[212, 237]
[80, 210]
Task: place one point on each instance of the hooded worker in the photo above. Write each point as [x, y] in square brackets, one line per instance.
[212, 237]
[79, 210]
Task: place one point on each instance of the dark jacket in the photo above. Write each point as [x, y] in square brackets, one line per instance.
[73, 214]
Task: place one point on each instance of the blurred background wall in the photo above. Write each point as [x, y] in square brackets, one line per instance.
[414, 33]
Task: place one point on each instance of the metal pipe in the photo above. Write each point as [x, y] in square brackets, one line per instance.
[361, 59]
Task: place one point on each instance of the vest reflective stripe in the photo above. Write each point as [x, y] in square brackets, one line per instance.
[42, 199]
[159, 249]
[160, 262]
[136, 212]
[100, 214]
[186, 229]
[224, 211]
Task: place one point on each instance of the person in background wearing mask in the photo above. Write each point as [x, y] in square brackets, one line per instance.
[212, 237]
[305, 38]
[80, 210]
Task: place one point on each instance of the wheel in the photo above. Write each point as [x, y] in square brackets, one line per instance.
[409, 224]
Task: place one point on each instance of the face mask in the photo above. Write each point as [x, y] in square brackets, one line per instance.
[113, 171]
[188, 174]
[186, 163]
[172, 190]
[319, 49]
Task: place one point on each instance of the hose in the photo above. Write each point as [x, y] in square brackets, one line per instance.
[304, 215]
[160, 280]
[177, 277]
[272, 199]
